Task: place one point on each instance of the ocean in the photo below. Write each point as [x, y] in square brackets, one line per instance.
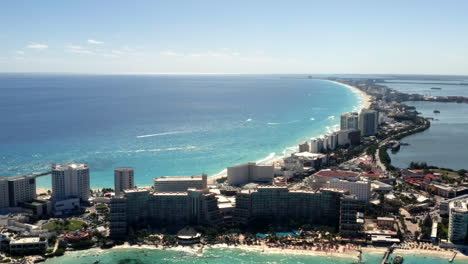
[160, 125]
[219, 256]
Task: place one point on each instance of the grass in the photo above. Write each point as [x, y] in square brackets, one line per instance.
[64, 226]
[451, 174]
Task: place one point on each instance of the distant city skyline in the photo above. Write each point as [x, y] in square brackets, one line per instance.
[260, 37]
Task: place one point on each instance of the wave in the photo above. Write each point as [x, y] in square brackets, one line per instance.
[270, 157]
[222, 173]
[162, 134]
[286, 123]
[331, 117]
[248, 120]
[311, 119]
[155, 150]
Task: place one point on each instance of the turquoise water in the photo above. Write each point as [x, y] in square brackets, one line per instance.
[220, 255]
[160, 125]
[440, 145]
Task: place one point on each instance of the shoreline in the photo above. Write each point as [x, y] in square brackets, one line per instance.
[365, 102]
[199, 250]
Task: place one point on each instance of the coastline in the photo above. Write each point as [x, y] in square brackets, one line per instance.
[364, 102]
[199, 250]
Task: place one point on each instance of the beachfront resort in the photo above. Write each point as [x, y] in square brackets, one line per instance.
[336, 194]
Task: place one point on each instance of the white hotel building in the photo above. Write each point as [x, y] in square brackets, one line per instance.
[70, 181]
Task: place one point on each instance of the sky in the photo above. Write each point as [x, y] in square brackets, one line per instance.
[252, 37]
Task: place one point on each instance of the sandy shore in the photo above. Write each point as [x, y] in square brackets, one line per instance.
[367, 101]
[366, 98]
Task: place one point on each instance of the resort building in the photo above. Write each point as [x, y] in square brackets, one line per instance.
[349, 137]
[349, 121]
[70, 181]
[316, 145]
[28, 246]
[139, 207]
[361, 188]
[351, 216]
[124, 179]
[368, 122]
[17, 190]
[323, 177]
[458, 221]
[276, 204]
[179, 183]
[4, 194]
[304, 147]
[250, 172]
[304, 162]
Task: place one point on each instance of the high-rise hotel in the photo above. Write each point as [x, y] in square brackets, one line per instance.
[70, 181]
[124, 179]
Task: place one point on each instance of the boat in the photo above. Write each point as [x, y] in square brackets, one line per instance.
[436, 88]
[398, 259]
[436, 112]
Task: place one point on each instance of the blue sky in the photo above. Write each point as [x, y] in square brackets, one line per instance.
[408, 37]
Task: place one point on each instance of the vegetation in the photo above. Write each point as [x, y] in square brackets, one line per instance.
[385, 158]
[107, 190]
[65, 225]
[83, 244]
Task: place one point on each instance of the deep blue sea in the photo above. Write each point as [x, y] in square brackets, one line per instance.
[160, 125]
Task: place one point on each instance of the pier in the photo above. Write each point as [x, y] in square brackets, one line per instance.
[387, 255]
[453, 257]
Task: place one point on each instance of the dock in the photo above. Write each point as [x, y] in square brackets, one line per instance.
[453, 257]
[387, 255]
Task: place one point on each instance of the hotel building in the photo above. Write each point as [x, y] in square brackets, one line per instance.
[368, 122]
[16, 190]
[250, 172]
[139, 207]
[70, 181]
[124, 179]
[458, 221]
[179, 183]
[349, 121]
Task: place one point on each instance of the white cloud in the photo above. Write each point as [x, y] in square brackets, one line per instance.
[20, 52]
[170, 53]
[37, 46]
[96, 42]
[78, 49]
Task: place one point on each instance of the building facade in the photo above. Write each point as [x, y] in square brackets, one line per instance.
[4, 193]
[250, 172]
[368, 122]
[70, 181]
[275, 204]
[124, 179]
[139, 207]
[458, 222]
[17, 190]
[349, 121]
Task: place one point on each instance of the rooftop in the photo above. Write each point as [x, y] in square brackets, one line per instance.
[336, 174]
[178, 178]
[25, 240]
[74, 166]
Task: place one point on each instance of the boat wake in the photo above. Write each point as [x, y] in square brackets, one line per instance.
[162, 134]
[155, 150]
